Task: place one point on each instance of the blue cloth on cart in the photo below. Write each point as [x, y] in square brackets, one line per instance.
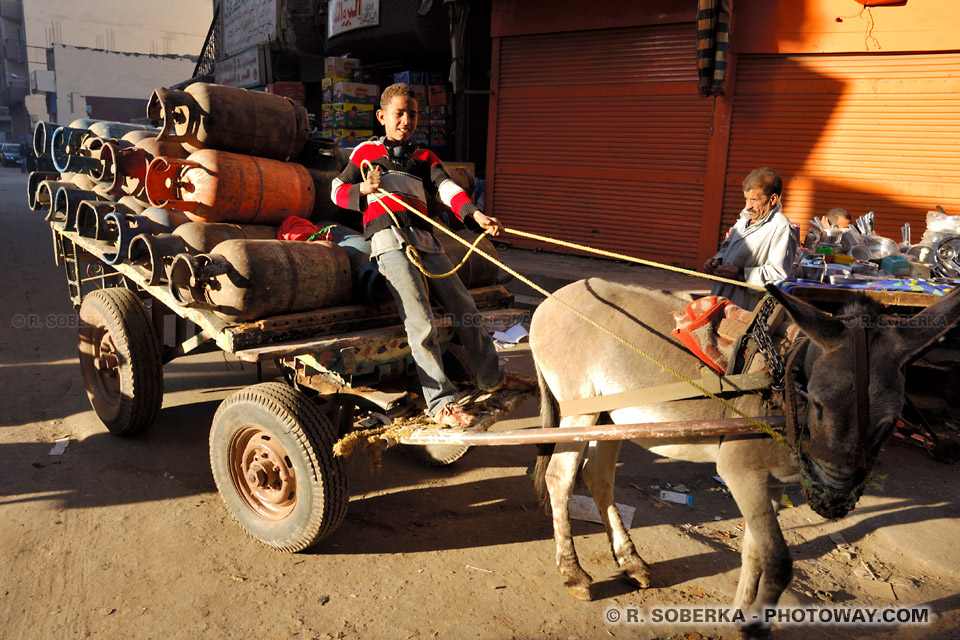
[914, 285]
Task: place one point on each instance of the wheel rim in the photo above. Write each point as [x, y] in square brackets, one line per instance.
[103, 364]
[262, 473]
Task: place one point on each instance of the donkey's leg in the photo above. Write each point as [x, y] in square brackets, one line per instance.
[561, 476]
[599, 472]
[766, 567]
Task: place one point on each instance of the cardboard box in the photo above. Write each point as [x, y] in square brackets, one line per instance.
[340, 67]
[438, 136]
[420, 91]
[294, 90]
[326, 117]
[367, 75]
[355, 92]
[410, 77]
[435, 116]
[347, 115]
[350, 137]
[438, 95]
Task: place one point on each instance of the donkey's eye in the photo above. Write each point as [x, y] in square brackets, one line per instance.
[818, 408]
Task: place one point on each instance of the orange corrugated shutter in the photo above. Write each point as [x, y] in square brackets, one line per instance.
[866, 132]
[602, 139]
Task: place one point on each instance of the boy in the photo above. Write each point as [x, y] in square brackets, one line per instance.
[403, 169]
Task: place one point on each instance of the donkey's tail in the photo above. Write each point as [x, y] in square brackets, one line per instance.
[550, 416]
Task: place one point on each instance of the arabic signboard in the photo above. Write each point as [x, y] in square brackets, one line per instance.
[242, 70]
[347, 15]
[246, 23]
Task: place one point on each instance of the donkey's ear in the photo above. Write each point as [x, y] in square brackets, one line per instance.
[920, 331]
[822, 328]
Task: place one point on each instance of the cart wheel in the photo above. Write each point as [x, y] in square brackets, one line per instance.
[271, 451]
[461, 372]
[120, 360]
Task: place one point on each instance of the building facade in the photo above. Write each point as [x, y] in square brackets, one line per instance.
[597, 133]
[30, 31]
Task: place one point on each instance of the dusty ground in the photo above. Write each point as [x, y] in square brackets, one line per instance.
[128, 538]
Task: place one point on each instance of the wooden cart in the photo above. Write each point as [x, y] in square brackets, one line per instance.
[271, 444]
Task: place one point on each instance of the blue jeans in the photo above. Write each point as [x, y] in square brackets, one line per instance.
[406, 283]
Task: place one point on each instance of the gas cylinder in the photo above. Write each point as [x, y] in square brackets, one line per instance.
[216, 186]
[69, 153]
[134, 137]
[116, 130]
[478, 271]
[33, 183]
[65, 203]
[124, 167]
[320, 157]
[202, 237]
[251, 279]
[42, 135]
[213, 116]
[46, 194]
[155, 252]
[117, 224]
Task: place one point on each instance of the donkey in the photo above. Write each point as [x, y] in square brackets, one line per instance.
[576, 360]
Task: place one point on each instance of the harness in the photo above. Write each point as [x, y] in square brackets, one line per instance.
[795, 371]
[754, 339]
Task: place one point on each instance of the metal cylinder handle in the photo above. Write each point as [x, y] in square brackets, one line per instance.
[181, 275]
[87, 220]
[163, 183]
[163, 106]
[34, 180]
[187, 275]
[42, 137]
[118, 219]
[155, 250]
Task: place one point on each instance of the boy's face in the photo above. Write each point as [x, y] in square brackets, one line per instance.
[399, 118]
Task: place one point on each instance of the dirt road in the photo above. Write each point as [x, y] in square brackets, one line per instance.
[128, 538]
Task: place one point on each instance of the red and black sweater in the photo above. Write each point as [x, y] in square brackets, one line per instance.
[411, 175]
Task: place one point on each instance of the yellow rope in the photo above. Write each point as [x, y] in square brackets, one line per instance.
[412, 254]
[620, 256]
[753, 421]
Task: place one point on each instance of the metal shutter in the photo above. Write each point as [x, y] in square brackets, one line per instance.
[600, 138]
[877, 132]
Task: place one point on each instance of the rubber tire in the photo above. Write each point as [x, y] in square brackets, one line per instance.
[307, 437]
[461, 371]
[118, 314]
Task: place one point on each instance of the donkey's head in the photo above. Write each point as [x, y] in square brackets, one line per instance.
[846, 424]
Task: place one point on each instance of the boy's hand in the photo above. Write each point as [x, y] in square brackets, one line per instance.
[711, 265]
[487, 222]
[372, 182]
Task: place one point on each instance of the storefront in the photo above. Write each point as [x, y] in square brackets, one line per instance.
[597, 132]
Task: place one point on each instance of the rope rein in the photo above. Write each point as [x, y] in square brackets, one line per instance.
[473, 248]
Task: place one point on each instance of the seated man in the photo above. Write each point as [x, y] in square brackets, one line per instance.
[760, 247]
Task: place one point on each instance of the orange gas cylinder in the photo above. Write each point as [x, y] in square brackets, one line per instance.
[216, 186]
[213, 116]
[124, 168]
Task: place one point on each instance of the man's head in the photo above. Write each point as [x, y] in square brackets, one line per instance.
[839, 218]
[761, 192]
[398, 112]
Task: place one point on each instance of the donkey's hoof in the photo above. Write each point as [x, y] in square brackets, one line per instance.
[579, 590]
[638, 573]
